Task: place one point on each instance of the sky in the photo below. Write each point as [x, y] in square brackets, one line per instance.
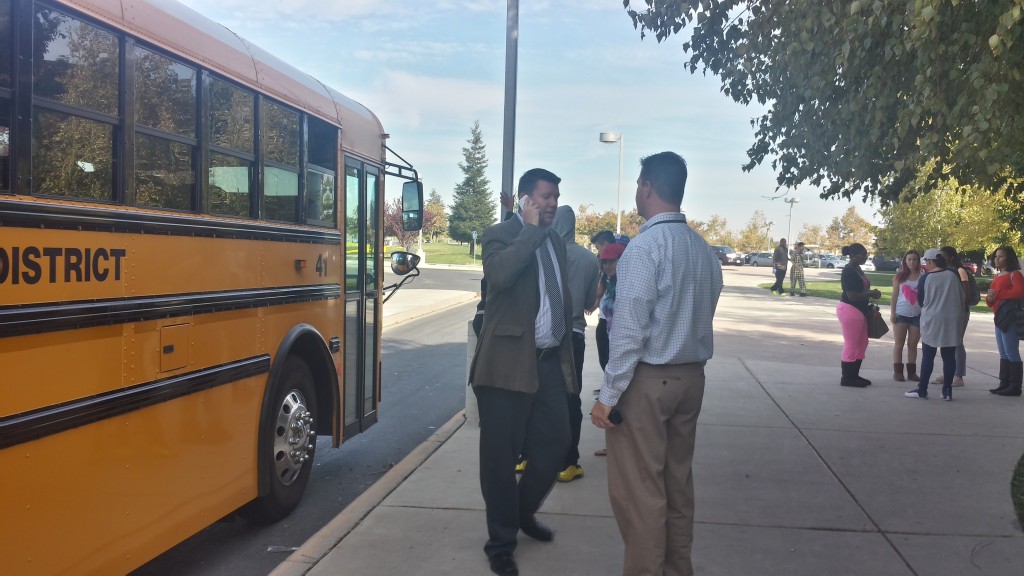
[429, 69]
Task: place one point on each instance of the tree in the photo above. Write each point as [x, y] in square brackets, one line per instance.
[588, 223]
[393, 225]
[435, 217]
[968, 218]
[718, 232]
[473, 207]
[754, 236]
[862, 94]
[813, 234]
[847, 229]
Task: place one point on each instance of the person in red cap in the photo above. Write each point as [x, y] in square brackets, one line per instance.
[609, 257]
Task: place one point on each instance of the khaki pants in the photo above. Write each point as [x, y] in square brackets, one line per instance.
[650, 457]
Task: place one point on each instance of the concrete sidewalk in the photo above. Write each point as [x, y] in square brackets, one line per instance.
[794, 475]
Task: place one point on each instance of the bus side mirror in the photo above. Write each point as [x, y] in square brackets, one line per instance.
[404, 262]
[412, 206]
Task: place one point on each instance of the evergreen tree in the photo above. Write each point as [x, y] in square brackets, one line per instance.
[473, 207]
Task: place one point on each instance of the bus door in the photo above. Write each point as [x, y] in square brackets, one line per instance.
[362, 313]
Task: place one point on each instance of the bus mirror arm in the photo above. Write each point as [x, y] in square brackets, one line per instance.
[394, 287]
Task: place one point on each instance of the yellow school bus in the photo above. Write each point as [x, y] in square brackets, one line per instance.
[190, 279]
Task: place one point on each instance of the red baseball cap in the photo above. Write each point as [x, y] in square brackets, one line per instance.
[611, 252]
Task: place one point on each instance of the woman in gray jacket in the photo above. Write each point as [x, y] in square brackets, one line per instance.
[942, 299]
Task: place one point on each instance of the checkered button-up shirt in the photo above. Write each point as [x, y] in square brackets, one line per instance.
[668, 287]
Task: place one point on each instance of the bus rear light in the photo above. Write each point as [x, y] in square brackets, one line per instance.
[300, 264]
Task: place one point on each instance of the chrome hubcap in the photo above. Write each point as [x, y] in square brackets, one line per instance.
[294, 438]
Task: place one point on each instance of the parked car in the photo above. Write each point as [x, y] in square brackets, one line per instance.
[987, 269]
[868, 266]
[832, 261]
[970, 265]
[727, 255]
[760, 259]
[883, 264]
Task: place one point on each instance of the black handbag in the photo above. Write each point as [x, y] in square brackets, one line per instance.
[876, 324]
[1010, 315]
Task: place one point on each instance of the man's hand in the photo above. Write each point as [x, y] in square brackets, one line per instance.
[599, 415]
[506, 202]
[529, 211]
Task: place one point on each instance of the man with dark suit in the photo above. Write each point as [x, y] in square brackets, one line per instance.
[523, 368]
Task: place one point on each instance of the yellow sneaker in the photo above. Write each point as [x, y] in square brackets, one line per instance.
[521, 467]
[570, 473]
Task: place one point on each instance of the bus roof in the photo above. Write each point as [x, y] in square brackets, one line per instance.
[182, 31]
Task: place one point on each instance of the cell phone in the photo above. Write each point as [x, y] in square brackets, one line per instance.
[522, 203]
[615, 417]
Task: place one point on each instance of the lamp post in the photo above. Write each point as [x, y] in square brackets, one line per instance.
[789, 233]
[768, 234]
[610, 138]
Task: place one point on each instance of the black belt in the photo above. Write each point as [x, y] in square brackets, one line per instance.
[546, 352]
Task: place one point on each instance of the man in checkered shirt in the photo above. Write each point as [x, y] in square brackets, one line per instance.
[668, 286]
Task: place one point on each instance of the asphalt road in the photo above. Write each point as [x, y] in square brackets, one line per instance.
[423, 387]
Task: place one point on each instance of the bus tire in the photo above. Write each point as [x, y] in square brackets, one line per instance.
[290, 443]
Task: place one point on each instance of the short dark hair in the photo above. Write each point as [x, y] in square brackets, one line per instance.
[799, 243]
[606, 236]
[855, 248]
[529, 180]
[666, 172]
[951, 256]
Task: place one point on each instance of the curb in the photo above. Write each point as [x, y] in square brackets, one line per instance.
[398, 318]
[323, 542]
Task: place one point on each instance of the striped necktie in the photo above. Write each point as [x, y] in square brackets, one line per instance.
[553, 293]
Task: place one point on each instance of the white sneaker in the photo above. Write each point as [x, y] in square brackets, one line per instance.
[915, 394]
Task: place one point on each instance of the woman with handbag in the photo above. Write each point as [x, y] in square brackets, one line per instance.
[905, 315]
[1006, 293]
[852, 311]
[942, 299]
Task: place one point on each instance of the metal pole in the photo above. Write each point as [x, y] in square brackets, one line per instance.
[789, 231]
[511, 62]
[618, 202]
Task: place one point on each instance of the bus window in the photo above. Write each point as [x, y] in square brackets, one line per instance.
[371, 229]
[5, 43]
[353, 175]
[5, 85]
[232, 124]
[76, 65]
[165, 106]
[281, 183]
[320, 173]
[5, 144]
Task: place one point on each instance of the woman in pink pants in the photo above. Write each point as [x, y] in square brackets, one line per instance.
[852, 311]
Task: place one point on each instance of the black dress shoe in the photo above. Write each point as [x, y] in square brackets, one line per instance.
[503, 563]
[537, 531]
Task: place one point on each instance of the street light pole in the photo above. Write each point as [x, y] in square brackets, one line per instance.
[768, 234]
[608, 138]
[789, 234]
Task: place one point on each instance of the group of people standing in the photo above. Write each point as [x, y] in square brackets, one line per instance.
[931, 305]
[658, 296]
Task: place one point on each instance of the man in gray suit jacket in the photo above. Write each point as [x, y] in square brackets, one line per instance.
[523, 367]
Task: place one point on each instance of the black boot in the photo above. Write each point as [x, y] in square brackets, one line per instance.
[1004, 376]
[850, 376]
[1016, 373]
[856, 373]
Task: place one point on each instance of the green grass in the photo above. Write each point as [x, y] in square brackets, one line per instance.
[443, 253]
[880, 280]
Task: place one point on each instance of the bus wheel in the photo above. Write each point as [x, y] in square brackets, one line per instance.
[290, 443]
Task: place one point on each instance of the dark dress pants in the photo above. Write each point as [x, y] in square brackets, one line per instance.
[512, 423]
[780, 275]
[579, 344]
